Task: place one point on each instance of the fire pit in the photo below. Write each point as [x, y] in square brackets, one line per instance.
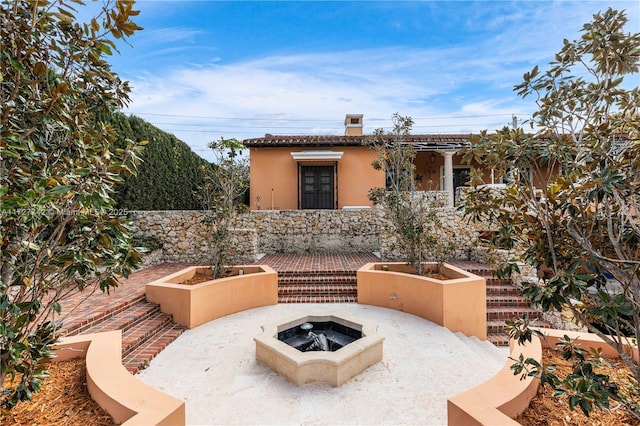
[319, 348]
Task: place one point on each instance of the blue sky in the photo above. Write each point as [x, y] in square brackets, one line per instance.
[209, 69]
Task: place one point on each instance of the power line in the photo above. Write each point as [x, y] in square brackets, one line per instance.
[229, 118]
[454, 116]
[214, 128]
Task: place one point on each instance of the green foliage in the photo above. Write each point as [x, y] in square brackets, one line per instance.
[584, 387]
[221, 195]
[413, 218]
[169, 175]
[58, 166]
[581, 221]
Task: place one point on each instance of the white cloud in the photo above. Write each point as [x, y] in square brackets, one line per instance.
[447, 89]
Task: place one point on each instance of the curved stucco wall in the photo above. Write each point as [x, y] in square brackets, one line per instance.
[501, 398]
[194, 305]
[458, 303]
[127, 400]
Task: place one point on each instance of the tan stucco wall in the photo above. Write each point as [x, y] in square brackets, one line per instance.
[505, 396]
[458, 304]
[501, 398]
[275, 169]
[128, 400]
[430, 172]
[194, 305]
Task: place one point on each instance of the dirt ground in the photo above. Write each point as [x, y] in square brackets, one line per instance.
[63, 401]
[544, 409]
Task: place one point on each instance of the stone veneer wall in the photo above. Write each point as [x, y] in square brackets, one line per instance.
[453, 227]
[184, 237]
[309, 231]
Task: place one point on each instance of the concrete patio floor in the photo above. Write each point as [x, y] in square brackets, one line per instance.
[213, 368]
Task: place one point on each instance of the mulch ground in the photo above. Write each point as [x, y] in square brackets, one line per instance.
[544, 409]
[64, 400]
[197, 278]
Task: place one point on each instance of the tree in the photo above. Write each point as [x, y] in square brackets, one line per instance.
[225, 184]
[582, 224]
[58, 167]
[170, 172]
[413, 219]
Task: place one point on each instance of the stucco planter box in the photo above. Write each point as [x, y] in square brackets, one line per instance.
[194, 305]
[458, 303]
[334, 368]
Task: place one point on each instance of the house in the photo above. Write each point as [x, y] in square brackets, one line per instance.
[335, 172]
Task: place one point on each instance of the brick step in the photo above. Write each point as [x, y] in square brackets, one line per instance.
[505, 313]
[507, 301]
[498, 326]
[318, 289]
[495, 326]
[136, 336]
[496, 331]
[494, 281]
[314, 279]
[141, 323]
[126, 319]
[333, 298]
[139, 358]
[103, 313]
[498, 339]
[502, 290]
[487, 272]
[290, 274]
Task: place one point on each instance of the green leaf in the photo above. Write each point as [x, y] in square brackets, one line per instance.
[60, 190]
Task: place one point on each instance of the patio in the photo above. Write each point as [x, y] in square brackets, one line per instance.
[213, 369]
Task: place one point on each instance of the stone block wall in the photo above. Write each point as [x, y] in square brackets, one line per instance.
[311, 231]
[184, 236]
[453, 227]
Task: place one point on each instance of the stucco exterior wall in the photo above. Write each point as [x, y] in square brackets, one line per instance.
[274, 177]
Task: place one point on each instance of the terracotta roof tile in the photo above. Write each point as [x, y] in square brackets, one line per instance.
[422, 141]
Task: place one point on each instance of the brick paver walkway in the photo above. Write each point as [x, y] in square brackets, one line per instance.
[76, 309]
[317, 262]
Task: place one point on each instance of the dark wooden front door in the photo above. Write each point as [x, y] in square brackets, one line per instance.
[317, 187]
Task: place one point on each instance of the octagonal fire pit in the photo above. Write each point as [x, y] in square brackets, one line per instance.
[319, 348]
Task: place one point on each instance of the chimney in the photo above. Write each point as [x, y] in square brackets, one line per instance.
[353, 125]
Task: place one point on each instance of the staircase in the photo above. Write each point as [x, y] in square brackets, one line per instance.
[491, 355]
[314, 285]
[317, 287]
[504, 302]
[145, 330]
